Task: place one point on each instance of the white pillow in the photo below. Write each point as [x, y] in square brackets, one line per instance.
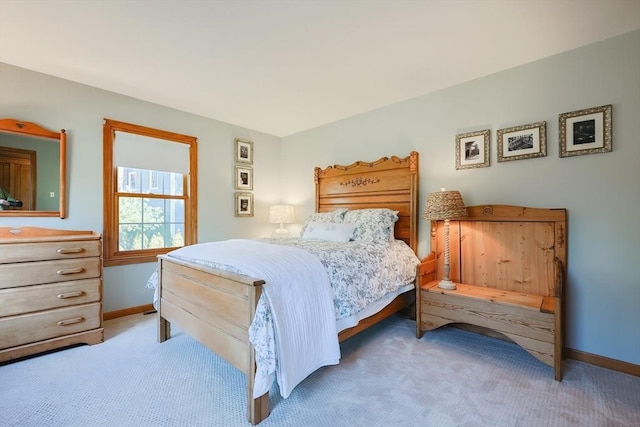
[336, 232]
[336, 215]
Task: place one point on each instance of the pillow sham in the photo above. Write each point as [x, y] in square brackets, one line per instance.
[372, 225]
[336, 215]
[334, 231]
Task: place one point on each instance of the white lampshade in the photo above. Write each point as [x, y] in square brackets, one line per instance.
[281, 214]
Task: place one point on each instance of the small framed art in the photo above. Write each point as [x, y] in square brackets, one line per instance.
[244, 204]
[522, 142]
[585, 131]
[244, 151]
[472, 150]
[244, 178]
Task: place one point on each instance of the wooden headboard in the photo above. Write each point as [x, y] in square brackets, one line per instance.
[389, 182]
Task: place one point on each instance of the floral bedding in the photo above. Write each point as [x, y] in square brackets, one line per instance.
[359, 272]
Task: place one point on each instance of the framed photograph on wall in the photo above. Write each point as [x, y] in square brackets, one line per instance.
[522, 142]
[244, 178]
[472, 150]
[585, 131]
[244, 204]
[244, 151]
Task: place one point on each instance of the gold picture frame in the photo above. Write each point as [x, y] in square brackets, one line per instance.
[244, 204]
[472, 149]
[586, 131]
[244, 178]
[243, 151]
[522, 142]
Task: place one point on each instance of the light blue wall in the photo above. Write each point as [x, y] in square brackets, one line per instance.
[60, 104]
[600, 191]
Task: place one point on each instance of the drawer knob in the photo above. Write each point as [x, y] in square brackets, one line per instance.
[70, 271]
[64, 251]
[72, 321]
[70, 295]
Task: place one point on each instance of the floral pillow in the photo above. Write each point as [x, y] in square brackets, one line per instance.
[333, 216]
[372, 225]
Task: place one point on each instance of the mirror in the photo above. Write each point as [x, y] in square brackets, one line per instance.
[32, 169]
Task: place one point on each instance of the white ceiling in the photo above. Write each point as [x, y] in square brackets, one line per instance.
[282, 67]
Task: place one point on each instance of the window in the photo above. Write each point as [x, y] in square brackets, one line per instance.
[132, 184]
[149, 192]
[153, 180]
[146, 219]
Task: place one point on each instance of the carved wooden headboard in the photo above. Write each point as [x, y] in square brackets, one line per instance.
[389, 182]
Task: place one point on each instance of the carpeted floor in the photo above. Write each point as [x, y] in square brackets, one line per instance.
[386, 378]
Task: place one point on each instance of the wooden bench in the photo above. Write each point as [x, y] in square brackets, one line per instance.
[508, 263]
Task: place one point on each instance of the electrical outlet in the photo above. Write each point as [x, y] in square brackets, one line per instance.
[52, 194]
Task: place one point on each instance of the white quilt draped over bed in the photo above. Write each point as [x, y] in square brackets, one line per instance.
[291, 274]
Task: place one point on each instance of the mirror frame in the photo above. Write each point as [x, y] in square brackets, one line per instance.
[31, 129]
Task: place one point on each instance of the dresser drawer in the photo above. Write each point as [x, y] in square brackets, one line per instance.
[42, 251]
[31, 273]
[29, 328]
[27, 299]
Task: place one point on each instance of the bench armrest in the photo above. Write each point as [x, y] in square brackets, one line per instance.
[426, 270]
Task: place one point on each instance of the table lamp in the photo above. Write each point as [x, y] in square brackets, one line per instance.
[445, 205]
[281, 214]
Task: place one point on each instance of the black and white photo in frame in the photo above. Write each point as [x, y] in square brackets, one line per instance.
[244, 204]
[243, 151]
[244, 178]
[522, 142]
[472, 149]
[585, 131]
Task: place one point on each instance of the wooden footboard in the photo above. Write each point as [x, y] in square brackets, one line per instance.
[216, 308]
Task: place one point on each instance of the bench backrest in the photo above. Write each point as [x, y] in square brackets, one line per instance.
[505, 247]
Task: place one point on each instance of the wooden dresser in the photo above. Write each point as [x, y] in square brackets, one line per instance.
[50, 290]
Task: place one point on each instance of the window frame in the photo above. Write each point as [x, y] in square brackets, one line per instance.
[112, 256]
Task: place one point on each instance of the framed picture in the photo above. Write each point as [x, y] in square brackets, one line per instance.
[244, 178]
[522, 142]
[585, 131]
[244, 204]
[472, 150]
[244, 151]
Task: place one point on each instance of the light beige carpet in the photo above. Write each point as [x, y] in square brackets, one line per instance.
[386, 378]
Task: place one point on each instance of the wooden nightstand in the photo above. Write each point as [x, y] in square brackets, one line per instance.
[508, 264]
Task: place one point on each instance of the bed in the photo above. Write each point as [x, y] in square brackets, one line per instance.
[217, 306]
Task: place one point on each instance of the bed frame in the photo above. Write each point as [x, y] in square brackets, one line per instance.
[216, 307]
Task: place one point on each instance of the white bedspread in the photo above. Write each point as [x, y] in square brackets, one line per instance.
[290, 274]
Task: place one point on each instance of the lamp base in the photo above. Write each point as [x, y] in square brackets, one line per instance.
[447, 284]
[280, 232]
